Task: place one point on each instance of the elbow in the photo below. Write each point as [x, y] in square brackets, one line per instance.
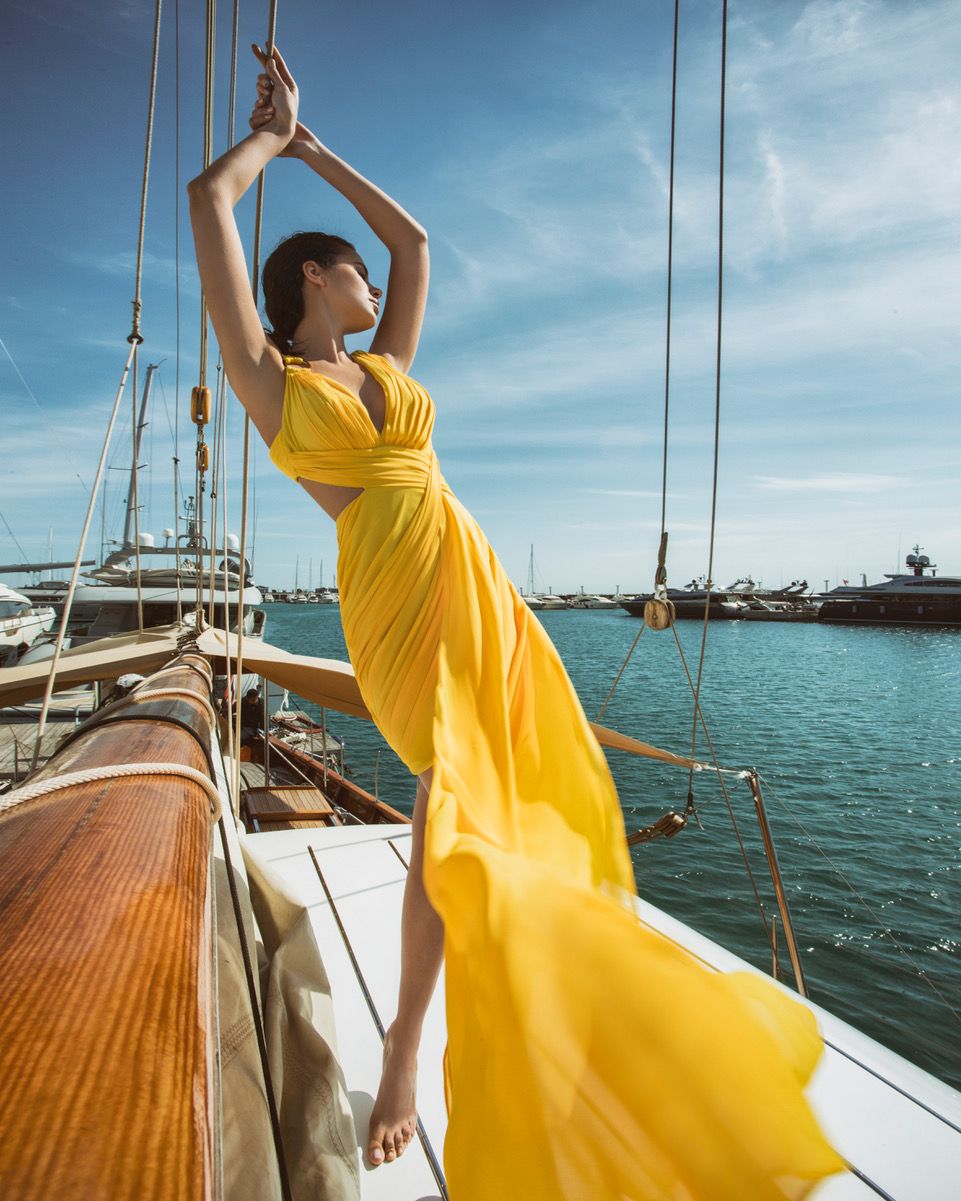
[202, 189]
[413, 235]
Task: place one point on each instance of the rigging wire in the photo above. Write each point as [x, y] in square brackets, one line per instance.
[245, 474]
[23, 553]
[661, 577]
[148, 142]
[134, 338]
[670, 274]
[699, 715]
[220, 453]
[199, 407]
[50, 427]
[176, 430]
[135, 500]
[709, 583]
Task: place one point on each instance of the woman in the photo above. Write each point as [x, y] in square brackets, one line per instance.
[563, 1077]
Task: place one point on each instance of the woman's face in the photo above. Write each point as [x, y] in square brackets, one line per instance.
[350, 296]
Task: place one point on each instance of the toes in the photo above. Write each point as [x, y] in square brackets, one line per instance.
[400, 1142]
[375, 1153]
[391, 1153]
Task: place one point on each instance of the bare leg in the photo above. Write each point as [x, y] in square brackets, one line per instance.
[393, 1119]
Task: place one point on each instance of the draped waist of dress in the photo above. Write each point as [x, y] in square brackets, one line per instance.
[381, 466]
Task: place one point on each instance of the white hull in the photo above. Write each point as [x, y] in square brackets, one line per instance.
[896, 1124]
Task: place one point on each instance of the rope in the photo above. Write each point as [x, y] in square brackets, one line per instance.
[661, 575]
[113, 771]
[254, 274]
[670, 275]
[222, 391]
[135, 334]
[717, 383]
[720, 776]
[617, 678]
[68, 602]
[134, 338]
[199, 469]
[135, 476]
[176, 454]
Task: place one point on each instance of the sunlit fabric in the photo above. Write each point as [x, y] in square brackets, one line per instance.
[588, 1057]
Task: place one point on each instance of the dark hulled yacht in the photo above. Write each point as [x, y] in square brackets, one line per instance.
[919, 597]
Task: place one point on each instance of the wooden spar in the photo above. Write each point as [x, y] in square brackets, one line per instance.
[105, 953]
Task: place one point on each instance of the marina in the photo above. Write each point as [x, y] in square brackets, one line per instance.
[212, 864]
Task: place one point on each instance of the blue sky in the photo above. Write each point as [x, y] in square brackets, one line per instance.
[531, 140]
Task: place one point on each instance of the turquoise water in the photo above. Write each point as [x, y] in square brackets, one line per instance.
[855, 734]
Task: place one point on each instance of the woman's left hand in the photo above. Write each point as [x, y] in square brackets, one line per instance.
[265, 112]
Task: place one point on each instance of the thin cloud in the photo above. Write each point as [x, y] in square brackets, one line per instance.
[836, 481]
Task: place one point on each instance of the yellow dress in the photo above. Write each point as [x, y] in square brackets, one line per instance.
[588, 1057]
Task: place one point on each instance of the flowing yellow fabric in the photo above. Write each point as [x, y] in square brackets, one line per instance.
[589, 1058]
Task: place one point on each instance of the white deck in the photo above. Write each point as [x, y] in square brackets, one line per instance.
[897, 1125]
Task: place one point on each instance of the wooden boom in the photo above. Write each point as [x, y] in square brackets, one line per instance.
[106, 1054]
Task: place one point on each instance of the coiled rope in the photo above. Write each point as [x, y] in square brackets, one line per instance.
[113, 771]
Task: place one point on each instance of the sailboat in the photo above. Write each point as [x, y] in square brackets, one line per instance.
[199, 944]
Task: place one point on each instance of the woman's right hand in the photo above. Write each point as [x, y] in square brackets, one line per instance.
[277, 99]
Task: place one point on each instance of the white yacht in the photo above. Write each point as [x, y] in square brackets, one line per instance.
[586, 600]
[21, 622]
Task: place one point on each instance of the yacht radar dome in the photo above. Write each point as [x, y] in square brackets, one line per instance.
[233, 542]
[146, 539]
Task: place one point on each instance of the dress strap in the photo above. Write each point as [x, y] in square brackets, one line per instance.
[295, 361]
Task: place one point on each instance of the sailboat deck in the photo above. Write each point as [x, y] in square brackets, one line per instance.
[899, 1127]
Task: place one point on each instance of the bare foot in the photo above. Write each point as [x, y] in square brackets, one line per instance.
[393, 1120]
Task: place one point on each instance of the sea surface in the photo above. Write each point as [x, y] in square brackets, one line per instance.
[855, 732]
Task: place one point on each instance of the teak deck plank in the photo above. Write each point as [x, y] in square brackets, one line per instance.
[288, 806]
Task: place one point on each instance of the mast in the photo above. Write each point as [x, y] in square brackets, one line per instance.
[128, 523]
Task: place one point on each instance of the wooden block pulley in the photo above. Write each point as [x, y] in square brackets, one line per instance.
[659, 614]
[200, 405]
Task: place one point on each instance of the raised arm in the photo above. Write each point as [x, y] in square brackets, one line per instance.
[254, 366]
[402, 314]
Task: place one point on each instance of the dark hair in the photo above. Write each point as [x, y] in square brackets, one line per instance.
[282, 280]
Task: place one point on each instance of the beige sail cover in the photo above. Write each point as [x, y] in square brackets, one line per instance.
[320, 1141]
[105, 659]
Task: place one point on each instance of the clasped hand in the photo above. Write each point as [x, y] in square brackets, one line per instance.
[275, 110]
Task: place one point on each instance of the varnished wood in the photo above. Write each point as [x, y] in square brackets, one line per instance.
[288, 807]
[338, 789]
[105, 946]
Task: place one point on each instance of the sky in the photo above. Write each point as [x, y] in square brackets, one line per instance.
[531, 140]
